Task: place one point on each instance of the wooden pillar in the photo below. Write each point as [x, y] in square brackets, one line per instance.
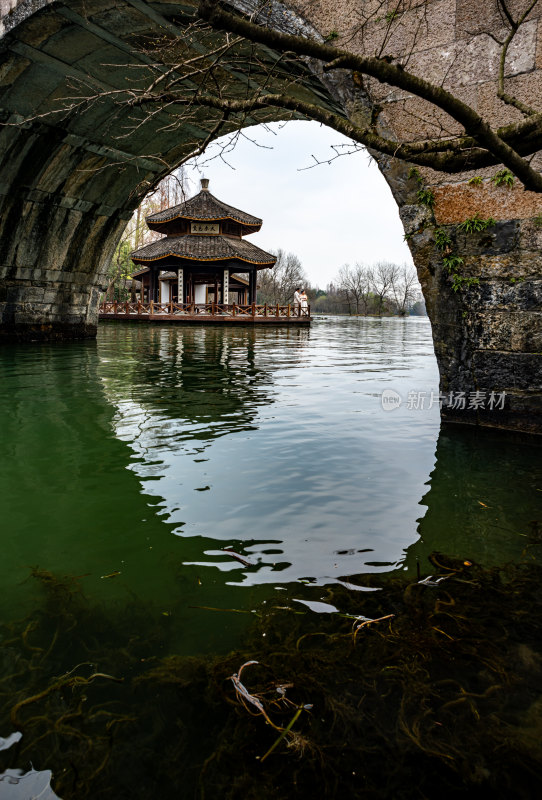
[153, 284]
[180, 285]
[252, 286]
[226, 287]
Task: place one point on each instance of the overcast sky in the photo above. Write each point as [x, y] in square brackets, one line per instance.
[328, 216]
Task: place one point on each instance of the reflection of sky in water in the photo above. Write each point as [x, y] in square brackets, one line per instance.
[275, 442]
[15, 784]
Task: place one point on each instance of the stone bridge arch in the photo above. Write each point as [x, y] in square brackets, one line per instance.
[69, 182]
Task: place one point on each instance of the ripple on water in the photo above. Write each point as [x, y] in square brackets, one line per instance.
[146, 448]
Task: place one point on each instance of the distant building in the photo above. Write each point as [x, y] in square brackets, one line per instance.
[202, 270]
[201, 254]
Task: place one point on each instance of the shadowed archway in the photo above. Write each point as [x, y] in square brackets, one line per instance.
[71, 179]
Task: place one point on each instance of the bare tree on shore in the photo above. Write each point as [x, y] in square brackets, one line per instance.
[405, 288]
[171, 191]
[381, 288]
[354, 283]
[277, 285]
[382, 277]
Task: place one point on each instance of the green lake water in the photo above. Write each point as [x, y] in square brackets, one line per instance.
[131, 463]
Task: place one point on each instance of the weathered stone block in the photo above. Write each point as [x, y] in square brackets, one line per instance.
[12, 68]
[519, 331]
[522, 412]
[524, 87]
[413, 217]
[414, 28]
[38, 29]
[479, 17]
[503, 237]
[501, 371]
[518, 296]
[454, 203]
[531, 237]
[513, 267]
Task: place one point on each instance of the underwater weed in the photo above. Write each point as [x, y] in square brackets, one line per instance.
[448, 692]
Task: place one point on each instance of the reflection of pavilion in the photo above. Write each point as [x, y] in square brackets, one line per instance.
[172, 375]
[192, 274]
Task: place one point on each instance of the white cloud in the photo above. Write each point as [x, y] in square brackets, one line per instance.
[329, 215]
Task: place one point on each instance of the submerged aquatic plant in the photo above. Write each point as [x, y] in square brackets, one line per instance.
[442, 699]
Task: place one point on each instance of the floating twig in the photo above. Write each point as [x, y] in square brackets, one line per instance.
[213, 608]
[430, 581]
[364, 622]
[230, 552]
[245, 697]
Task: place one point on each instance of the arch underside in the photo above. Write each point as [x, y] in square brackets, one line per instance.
[71, 179]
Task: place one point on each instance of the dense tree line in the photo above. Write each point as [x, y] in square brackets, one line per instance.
[381, 288]
[384, 288]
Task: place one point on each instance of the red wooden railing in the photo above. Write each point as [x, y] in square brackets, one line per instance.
[205, 309]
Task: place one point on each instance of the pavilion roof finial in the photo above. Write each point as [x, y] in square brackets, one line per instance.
[205, 184]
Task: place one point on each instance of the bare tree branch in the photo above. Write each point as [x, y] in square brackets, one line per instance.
[514, 27]
[383, 70]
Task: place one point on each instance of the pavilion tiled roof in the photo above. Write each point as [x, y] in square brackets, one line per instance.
[204, 248]
[206, 207]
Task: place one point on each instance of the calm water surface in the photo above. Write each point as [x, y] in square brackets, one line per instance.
[149, 451]
[133, 461]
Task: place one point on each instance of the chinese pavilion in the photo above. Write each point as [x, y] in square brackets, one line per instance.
[201, 251]
[202, 270]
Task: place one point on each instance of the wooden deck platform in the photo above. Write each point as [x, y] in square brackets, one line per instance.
[205, 313]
